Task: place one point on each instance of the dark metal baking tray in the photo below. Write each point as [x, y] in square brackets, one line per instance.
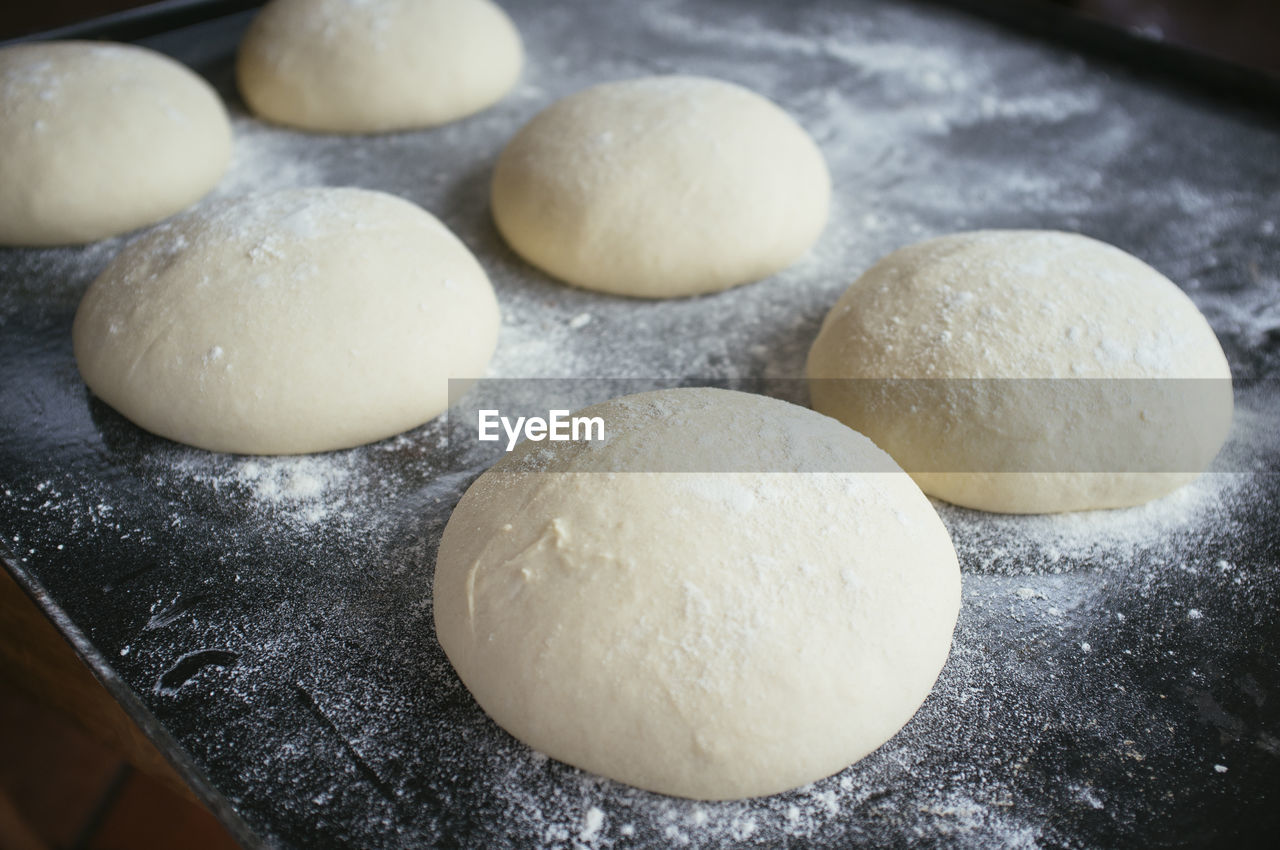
[268, 622]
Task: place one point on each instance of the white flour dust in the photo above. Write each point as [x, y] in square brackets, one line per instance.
[908, 104]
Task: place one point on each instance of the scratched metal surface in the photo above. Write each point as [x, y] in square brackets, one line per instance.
[270, 623]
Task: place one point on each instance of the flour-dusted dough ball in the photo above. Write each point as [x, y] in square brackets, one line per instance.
[98, 139]
[661, 186]
[1042, 372]
[729, 597]
[368, 66]
[295, 321]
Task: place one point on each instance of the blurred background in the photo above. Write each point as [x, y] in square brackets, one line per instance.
[1242, 31]
[76, 774]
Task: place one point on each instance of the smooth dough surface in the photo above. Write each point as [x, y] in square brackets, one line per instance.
[1061, 373]
[731, 630]
[366, 66]
[99, 139]
[661, 186]
[296, 321]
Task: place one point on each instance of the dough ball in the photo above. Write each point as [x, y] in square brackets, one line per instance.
[295, 321]
[369, 66]
[661, 186]
[1041, 372]
[100, 139]
[747, 625]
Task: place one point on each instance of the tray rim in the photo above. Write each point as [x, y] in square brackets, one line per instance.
[1171, 62]
[172, 751]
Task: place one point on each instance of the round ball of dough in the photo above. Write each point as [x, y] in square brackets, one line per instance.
[661, 186]
[1029, 372]
[743, 627]
[369, 66]
[100, 139]
[295, 321]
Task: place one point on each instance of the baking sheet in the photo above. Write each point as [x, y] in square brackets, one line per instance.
[1113, 679]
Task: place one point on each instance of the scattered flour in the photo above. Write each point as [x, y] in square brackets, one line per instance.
[339, 711]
